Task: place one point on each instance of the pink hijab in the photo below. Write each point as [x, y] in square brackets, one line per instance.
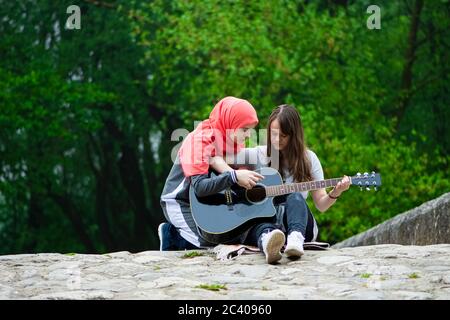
[211, 137]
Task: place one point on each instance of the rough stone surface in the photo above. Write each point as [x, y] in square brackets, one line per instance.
[367, 272]
[425, 225]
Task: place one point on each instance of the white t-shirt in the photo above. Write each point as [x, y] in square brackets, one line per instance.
[258, 157]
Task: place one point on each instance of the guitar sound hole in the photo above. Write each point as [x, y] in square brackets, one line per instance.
[257, 194]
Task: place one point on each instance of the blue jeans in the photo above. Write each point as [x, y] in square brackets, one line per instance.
[297, 217]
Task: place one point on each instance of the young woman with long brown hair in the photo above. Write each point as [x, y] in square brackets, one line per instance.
[287, 152]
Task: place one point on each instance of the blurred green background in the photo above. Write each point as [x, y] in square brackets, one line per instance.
[86, 115]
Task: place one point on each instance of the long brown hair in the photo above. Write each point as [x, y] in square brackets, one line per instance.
[295, 153]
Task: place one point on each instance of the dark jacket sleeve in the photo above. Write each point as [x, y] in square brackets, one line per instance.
[205, 185]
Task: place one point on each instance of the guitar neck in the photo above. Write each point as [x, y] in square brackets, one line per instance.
[273, 191]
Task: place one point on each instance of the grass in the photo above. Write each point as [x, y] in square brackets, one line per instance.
[192, 254]
[70, 253]
[212, 287]
[413, 275]
[366, 275]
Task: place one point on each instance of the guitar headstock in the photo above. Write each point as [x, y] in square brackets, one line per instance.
[367, 180]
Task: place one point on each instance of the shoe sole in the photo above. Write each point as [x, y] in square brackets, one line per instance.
[293, 253]
[274, 246]
[160, 236]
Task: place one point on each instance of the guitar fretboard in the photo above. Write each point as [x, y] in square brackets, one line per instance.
[273, 191]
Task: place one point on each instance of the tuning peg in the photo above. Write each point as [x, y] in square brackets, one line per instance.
[366, 174]
[358, 174]
[375, 188]
[373, 173]
[360, 188]
[368, 188]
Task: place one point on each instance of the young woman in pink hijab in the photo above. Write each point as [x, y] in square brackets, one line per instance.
[224, 132]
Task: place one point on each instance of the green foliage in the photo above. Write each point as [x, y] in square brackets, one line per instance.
[86, 115]
[413, 275]
[70, 254]
[192, 254]
[212, 287]
[331, 68]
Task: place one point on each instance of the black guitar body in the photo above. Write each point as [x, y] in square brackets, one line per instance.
[224, 216]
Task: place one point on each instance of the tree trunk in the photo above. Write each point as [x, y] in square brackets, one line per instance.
[35, 217]
[75, 218]
[101, 192]
[131, 178]
[410, 56]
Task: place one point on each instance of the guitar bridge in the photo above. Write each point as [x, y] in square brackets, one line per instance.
[229, 199]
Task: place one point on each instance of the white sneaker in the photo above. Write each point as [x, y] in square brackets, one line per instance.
[294, 247]
[272, 242]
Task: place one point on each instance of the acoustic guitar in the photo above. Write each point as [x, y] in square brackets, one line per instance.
[222, 217]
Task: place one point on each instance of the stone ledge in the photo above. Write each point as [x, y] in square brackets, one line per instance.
[369, 272]
[425, 225]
